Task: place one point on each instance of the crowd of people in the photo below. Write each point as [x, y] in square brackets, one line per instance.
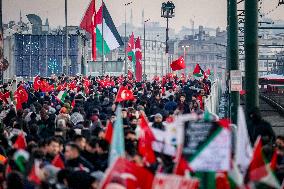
[73, 130]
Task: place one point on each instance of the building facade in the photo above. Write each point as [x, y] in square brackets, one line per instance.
[205, 50]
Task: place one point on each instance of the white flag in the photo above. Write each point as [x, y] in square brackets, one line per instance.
[243, 146]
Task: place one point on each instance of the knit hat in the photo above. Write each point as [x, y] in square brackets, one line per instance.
[63, 110]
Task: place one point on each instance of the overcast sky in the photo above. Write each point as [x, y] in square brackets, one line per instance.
[211, 13]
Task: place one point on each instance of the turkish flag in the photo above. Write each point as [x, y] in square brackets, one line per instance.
[32, 177]
[37, 83]
[87, 83]
[44, 86]
[62, 87]
[109, 130]
[145, 141]
[58, 162]
[50, 88]
[21, 95]
[124, 94]
[73, 85]
[20, 142]
[126, 174]
[88, 23]
[178, 64]
[129, 75]
[5, 96]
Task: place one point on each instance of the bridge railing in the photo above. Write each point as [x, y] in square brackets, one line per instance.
[212, 101]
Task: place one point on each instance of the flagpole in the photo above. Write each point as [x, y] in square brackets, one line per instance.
[66, 29]
[103, 58]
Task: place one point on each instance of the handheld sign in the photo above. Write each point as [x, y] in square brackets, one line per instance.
[207, 146]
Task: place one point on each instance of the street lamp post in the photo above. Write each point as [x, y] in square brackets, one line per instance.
[144, 49]
[184, 55]
[66, 32]
[125, 46]
[167, 11]
[156, 63]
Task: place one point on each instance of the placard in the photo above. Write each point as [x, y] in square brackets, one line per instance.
[207, 146]
[195, 135]
[163, 181]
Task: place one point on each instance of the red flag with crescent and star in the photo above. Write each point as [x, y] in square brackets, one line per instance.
[89, 25]
[130, 175]
[124, 94]
[21, 96]
[37, 83]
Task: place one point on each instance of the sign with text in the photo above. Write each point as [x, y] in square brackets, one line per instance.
[207, 146]
[163, 181]
[236, 80]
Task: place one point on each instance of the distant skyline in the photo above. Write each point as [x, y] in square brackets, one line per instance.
[209, 13]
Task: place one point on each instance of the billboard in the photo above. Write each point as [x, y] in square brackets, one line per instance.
[45, 54]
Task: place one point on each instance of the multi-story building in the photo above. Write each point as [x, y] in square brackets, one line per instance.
[270, 47]
[205, 50]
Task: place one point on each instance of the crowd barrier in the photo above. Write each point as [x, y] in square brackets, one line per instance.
[212, 101]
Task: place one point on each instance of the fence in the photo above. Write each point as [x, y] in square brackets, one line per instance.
[212, 101]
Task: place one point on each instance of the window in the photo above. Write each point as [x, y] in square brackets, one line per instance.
[204, 57]
[211, 57]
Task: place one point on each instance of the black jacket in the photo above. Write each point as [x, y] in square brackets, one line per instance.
[79, 163]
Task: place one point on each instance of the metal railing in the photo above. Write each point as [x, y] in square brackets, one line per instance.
[212, 101]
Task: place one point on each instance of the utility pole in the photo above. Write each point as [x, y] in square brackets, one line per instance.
[234, 56]
[251, 55]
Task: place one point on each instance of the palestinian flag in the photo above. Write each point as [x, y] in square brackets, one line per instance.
[110, 37]
[208, 74]
[61, 96]
[21, 157]
[235, 177]
[198, 72]
[259, 171]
